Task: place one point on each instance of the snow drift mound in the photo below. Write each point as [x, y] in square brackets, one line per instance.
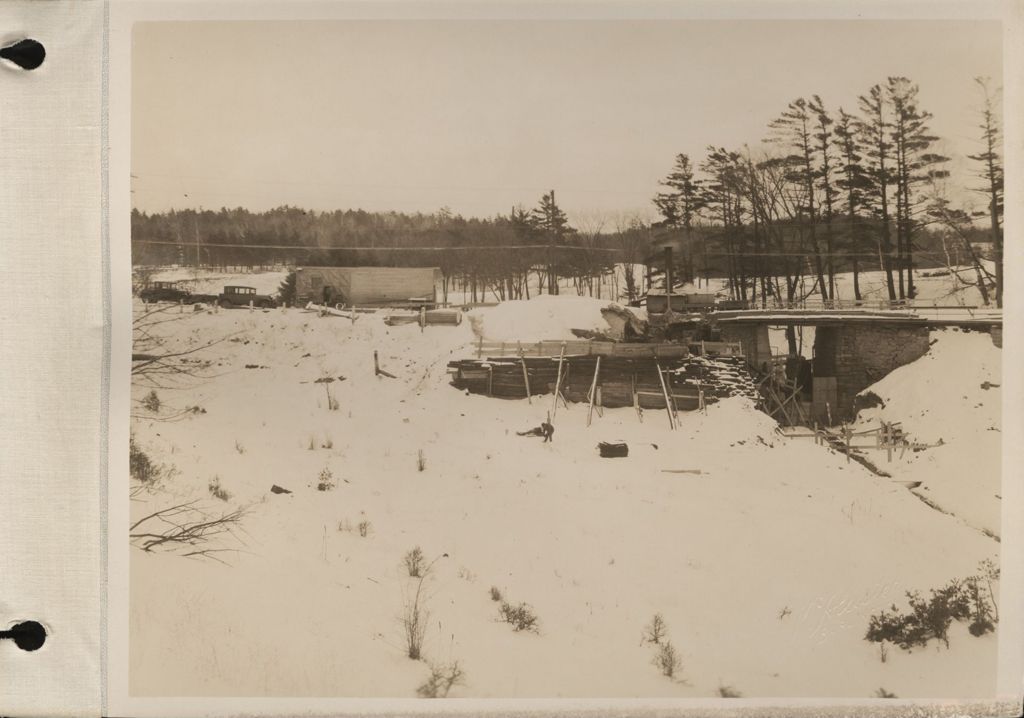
[950, 395]
[544, 317]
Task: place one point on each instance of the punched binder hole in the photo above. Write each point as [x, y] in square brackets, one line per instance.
[27, 635]
[27, 54]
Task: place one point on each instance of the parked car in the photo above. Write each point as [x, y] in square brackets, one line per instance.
[165, 292]
[242, 296]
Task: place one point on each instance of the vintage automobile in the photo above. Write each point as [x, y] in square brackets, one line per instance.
[233, 296]
[165, 292]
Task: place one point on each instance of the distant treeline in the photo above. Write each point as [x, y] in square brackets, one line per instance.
[830, 192]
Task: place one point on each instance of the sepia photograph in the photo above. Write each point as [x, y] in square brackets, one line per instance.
[566, 358]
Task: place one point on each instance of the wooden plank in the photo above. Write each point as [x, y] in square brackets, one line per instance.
[668, 404]
[526, 380]
[558, 382]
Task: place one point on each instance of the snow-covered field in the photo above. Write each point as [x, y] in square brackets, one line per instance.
[765, 560]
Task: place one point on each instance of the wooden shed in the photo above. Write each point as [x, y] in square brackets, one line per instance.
[367, 286]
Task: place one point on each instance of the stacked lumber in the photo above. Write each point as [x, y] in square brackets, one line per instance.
[621, 381]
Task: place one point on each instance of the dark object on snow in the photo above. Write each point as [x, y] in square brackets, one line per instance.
[613, 450]
[275, 489]
[545, 429]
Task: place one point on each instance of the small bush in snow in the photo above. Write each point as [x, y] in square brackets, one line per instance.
[140, 465]
[441, 680]
[328, 443]
[239, 448]
[312, 444]
[495, 593]
[421, 461]
[364, 528]
[414, 562]
[882, 693]
[667, 659]
[729, 692]
[655, 630]
[931, 618]
[521, 616]
[152, 402]
[216, 490]
[326, 480]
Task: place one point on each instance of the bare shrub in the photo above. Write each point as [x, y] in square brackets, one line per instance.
[882, 693]
[239, 448]
[421, 461]
[151, 402]
[328, 443]
[312, 444]
[521, 616]
[667, 659]
[345, 526]
[216, 490]
[414, 562]
[325, 480]
[655, 630]
[364, 527]
[495, 593]
[187, 527]
[442, 678]
[729, 692]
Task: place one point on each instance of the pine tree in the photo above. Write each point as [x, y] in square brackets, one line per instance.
[681, 204]
[873, 133]
[551, 220]
[914, 164]
[793, 128]
[823, 136]
[992, 173]
[855, 182]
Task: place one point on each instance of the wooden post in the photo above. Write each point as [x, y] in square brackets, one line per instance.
[593, 390]
[664, 393]
[558, 380]
[636, 400]
[848, 433]
[181, 306]
[376, 363]
[423, 318]
[480, 347]
[526, 377]
[490, 380]
[353, 314]
[250, 306]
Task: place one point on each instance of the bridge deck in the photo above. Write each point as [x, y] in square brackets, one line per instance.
[919, 316]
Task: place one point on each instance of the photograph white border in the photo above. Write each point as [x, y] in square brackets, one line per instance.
[122, 15]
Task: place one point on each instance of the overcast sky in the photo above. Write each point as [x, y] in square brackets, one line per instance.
[481, 115]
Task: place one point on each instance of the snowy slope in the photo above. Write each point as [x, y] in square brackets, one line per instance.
[765, 565]
[951, 395]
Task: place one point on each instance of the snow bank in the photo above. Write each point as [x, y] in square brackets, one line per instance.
[952, 395]
[544, 317]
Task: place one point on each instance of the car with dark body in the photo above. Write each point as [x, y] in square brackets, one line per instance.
[235, 296]
[165, 292]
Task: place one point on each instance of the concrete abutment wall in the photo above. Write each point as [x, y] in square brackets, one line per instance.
[861, 354]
